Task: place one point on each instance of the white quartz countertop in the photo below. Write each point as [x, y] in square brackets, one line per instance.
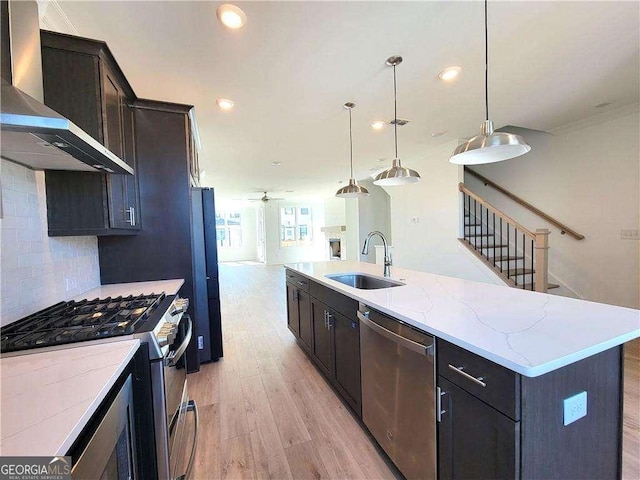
[169, 287]
[48, 397]
[528, 332]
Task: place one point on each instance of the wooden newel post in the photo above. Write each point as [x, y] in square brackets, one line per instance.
[541, 259]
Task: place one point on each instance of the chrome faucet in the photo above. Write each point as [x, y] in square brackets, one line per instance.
[387, 259]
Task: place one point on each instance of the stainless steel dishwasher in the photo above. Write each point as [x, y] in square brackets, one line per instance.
[398, 391]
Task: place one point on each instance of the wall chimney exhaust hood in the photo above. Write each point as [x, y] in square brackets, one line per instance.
[32, 134]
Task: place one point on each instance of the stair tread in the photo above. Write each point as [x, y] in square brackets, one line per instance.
[527, 286]
[519, 271]
[501, 245]
[504, 258]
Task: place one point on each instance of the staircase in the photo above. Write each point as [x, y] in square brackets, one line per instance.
[514, 253]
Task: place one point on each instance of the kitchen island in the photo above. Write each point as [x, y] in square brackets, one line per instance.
[526, 355]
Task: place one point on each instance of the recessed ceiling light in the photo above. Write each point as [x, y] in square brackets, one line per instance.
[378, 125]
[231, 16]
[276, 164]
[225, 103]
[450, 73]
[438, 134]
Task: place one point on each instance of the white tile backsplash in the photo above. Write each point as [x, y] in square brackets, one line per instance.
[36, 270]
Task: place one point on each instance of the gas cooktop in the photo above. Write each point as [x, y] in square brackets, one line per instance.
[78, 321]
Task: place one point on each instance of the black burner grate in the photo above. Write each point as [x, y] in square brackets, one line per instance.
[69, 322]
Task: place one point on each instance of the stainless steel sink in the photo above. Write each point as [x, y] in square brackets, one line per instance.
[363, 281]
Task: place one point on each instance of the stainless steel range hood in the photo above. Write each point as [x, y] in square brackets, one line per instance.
[33, 134]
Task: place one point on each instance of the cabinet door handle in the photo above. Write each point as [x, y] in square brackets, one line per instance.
[295, 295]
[132, 216]
[329, 323]
[326, 318]
[439, 410]
[460, 370]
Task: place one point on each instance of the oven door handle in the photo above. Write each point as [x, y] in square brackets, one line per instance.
[173, 357]
[192, 407]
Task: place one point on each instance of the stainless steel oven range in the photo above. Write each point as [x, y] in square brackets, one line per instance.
[159, 321]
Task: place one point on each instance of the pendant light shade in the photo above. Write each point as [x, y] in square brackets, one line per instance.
[353, 190]
[489, 146]
[397, 174]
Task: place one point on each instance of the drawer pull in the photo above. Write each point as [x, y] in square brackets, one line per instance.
[459, 370]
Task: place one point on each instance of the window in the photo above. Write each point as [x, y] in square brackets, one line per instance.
[296, 228]
[228, 229]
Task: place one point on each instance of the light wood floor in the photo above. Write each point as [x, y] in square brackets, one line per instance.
[266, 412]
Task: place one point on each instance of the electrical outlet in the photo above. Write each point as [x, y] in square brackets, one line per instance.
[630, 234]
[574, 408]
[200, 342]
[415, 219]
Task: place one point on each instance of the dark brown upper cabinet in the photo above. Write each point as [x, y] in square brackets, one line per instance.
[83, 82]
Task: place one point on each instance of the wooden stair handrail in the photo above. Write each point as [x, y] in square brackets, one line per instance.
[463, 188]
[563, 228]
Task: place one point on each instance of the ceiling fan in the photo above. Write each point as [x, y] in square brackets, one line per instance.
[265, 198]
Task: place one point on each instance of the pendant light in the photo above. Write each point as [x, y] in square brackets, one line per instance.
[489, 146]
[353, 190]
[397, 174]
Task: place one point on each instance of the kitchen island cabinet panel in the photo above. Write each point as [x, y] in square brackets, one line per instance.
[321, 344]
[347, 359]
[293, 310]
[475, 440]
[328, 329]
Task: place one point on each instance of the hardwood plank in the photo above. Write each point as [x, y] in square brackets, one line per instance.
[237, 459]
[208, 454]
[332, 450]
[204, 386]
[233, 420]
[305, 463]
[290, 426]
[269, 456]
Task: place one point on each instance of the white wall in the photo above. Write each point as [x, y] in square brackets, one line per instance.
[249, 248]
[364, 215]
[334, 212]
[37, 271]
[587, 175]
[431, 244]
[274, 253]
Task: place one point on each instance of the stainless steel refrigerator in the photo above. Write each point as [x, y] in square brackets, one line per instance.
[205, 272]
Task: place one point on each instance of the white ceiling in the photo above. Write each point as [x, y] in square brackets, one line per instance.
[294, 64]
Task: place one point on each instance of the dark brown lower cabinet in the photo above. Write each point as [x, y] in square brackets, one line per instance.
[320, 319]
[346, 354]
[293, 315]
[497, 424]
[299, 314]
[474, 439]
[336, 351]
[321, 350]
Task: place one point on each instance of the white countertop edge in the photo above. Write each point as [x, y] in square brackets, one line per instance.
[528, 371]
[67, 443]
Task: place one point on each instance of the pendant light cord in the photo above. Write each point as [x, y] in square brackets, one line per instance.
[350, 144]
[486, 62]
[395, 111]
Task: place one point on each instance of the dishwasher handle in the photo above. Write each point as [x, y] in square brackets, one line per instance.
[425, 350]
